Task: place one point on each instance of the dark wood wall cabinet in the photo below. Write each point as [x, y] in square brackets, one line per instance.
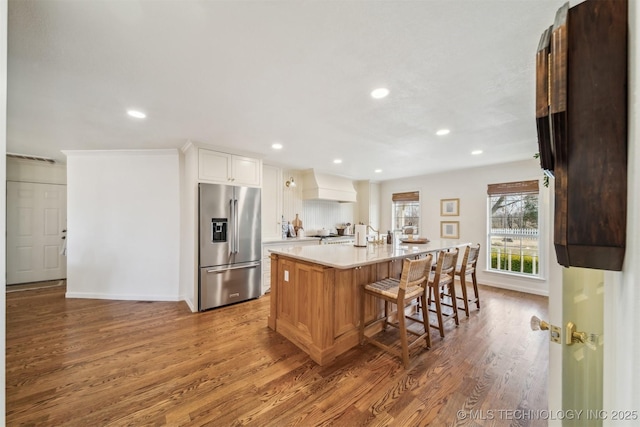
[581, 117]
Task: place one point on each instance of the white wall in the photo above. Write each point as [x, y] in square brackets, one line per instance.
[189, 225]
[470, 186]
[368, 206]
[622, 292]
[124, 224]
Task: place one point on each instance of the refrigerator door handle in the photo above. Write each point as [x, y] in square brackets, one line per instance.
[232, 268]
[232, 215]
[237, 226]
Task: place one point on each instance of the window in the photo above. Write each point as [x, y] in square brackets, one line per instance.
[514, 237]
[406, 212]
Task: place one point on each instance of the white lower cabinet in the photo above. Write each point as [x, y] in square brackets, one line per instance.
[266, 256]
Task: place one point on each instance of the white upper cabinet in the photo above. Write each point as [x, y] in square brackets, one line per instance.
[214, 166]
[246, 170]
[272, 210]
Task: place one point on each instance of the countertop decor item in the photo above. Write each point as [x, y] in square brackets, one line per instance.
[417, 240]
[361, 236]
[297, 224]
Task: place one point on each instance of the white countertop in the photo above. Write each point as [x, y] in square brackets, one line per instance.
[347, 256]
[291, 240]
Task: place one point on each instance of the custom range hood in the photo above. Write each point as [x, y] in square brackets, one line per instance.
[322, 186]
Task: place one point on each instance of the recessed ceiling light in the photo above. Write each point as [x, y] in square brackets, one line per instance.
[378, 170]
[136, 114]
[443, 132]
[337, 161]
[476, 152]
[380, 93]
[276, 146]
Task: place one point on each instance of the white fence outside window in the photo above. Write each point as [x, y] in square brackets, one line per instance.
[515, 251]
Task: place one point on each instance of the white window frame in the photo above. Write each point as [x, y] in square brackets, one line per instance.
[394, 218]
[521, 234]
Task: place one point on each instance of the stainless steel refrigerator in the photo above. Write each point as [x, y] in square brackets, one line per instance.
[230, 244]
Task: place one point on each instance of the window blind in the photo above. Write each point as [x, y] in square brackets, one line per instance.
[411, 196]
[518, 187]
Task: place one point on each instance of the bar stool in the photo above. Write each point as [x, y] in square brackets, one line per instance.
[412, 285]
[442, 287]
[468, 268]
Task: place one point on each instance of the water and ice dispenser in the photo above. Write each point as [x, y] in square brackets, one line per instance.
[218, 230]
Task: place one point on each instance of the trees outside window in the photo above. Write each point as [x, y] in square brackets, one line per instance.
[513, 235]
[406, 212]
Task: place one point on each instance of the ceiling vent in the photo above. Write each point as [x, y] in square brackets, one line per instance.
[30, 157]
[321, 186]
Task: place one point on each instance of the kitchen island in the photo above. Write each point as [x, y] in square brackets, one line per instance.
[315, 291]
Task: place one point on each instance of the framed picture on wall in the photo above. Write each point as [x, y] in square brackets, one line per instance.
[449, 229]
[449, 207]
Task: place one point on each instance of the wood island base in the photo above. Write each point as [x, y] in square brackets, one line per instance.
[317, 307]
[315, 292]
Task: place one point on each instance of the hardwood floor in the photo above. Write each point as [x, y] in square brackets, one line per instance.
[78, 362]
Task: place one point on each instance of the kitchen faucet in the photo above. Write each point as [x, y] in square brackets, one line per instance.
[375, 231]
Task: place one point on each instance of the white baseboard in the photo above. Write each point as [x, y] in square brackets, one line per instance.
[190, 303]
[87, 295]
[510, 287]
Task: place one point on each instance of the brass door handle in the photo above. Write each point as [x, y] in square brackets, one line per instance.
[574, 337]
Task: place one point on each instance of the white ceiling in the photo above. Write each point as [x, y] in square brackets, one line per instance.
[241, 75]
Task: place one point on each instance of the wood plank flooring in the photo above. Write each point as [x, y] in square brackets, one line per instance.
[78, 362]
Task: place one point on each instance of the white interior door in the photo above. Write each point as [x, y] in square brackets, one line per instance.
[575, 367]
[36, 220]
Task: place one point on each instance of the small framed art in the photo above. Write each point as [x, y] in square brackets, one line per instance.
[449, 207]
[450, 229]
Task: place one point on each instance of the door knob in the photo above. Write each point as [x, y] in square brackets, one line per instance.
[541, 325]
[573, 337]
[538, 325]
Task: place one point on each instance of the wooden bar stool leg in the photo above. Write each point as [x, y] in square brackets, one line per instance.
[465, 298]
[362, 305]
[403, 337]
[475, 288]
[454, 300]
[436, 298]
[386, 315]
[425, 321]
